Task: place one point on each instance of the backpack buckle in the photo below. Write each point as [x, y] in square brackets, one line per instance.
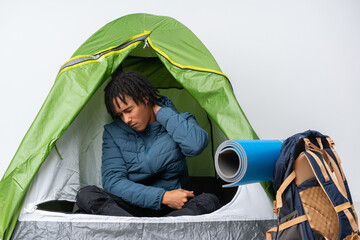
[330, 141]
[307, 142]
[275, 208]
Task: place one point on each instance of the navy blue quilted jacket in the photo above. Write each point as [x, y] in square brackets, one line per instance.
[140, 166]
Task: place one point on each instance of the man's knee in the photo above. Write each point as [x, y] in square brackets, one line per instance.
[90, 198]
[208, 200]
[204, 203]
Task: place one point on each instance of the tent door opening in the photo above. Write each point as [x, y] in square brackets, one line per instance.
[80, 146]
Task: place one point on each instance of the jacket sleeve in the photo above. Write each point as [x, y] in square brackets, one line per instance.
[184, 130]
[115, 178]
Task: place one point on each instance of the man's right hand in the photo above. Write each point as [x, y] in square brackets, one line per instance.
[176, 198]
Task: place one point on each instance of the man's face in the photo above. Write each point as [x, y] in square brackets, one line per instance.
[137, 116]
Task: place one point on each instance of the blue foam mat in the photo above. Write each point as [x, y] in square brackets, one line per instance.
[241, 162]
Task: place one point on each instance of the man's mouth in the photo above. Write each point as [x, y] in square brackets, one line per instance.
[133, 125]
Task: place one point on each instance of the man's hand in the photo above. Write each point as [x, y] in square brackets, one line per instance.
[176, 198]
[156, 109]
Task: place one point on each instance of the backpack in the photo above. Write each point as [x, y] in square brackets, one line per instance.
[313, 200]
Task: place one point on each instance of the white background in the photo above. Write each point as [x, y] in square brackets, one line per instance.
[294, 65]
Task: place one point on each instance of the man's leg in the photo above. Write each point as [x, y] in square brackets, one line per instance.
[201, 204]
[94, 200]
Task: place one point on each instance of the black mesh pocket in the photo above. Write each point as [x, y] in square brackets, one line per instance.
[294, 232]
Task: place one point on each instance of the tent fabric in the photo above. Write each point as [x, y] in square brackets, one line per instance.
[182, 64]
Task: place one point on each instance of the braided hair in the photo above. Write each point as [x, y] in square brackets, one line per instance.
[132, 84]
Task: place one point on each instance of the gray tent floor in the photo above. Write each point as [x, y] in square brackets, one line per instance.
[128, 229]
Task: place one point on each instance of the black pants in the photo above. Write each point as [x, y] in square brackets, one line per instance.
[94, 200]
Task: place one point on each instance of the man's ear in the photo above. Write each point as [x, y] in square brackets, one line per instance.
[146, 100]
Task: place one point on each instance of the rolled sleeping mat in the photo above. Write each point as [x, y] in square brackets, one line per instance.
[241, 162]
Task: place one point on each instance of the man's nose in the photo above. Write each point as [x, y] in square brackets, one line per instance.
[127, 119]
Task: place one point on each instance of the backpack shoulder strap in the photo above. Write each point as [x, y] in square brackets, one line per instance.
[278, 202]
[319, 159]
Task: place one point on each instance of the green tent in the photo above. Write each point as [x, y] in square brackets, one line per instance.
[162, 49]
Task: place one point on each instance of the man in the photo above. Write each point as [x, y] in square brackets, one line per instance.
[144, 170]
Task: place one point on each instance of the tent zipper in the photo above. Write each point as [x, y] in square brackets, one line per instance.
[158, 51]
[84, 59]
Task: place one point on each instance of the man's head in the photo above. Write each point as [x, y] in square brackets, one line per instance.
[130, 96]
